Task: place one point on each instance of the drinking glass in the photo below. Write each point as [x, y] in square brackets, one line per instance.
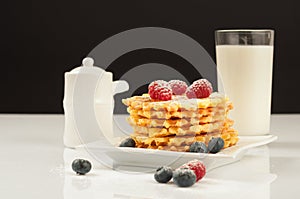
[244, 65]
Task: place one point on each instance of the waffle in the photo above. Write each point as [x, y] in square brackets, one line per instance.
[141, 121]
[182, 143]
[175, 114]
[179, 131]
[182, 131]
[178, 103]
[175, 124]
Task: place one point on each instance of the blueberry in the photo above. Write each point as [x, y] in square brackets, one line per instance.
[215, 145]
[81, 166]
[128, 142]
[198, 147]
[184, 177]
[163, 174]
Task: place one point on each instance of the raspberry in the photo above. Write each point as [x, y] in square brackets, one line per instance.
[160, 90]
[197, 166]
[178, 87]
[199, 89]
[153, 88]
[164, 93]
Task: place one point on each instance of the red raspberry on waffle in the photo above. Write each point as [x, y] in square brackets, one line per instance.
[201, 88]
[178, 87]
[160, 90]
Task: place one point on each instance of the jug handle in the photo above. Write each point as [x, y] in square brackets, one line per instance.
[120, 86]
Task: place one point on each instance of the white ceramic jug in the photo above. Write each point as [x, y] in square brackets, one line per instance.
[88, 104]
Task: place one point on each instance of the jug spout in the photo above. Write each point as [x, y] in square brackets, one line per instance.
[120, 86]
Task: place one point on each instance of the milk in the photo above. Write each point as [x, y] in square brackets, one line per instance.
[245, 72]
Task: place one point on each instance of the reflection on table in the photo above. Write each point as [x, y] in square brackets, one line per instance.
[248, 178]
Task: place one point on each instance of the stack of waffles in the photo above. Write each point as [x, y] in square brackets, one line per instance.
[175, 124]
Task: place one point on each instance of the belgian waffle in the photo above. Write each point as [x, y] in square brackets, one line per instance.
[175, 124]
[178, 103]
[150, 114]
[181, 131]
[182, 143]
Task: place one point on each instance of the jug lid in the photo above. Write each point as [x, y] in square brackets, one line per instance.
[88, 67]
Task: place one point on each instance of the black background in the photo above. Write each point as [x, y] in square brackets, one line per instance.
[43, 39]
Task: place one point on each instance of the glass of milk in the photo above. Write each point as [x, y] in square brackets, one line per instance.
[244, 65]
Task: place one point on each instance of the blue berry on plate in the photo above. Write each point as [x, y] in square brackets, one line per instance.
[198, 147]
[215, 145]
[81, 166]
[163, 174]
[184, 177]
[128, 142]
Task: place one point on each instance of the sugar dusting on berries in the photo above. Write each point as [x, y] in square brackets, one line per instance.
[201, 88]
[158, 86]
[197, 166]
[178, 87]
[162, 90]
[164, 93]
[184, 177]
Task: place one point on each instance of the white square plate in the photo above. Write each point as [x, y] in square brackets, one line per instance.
[139, 159]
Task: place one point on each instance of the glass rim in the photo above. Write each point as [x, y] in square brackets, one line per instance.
[245, 31]
[245, 37]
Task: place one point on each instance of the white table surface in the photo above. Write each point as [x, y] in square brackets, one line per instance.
[35, 164]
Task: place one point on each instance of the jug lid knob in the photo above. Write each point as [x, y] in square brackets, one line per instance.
[88, 62]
